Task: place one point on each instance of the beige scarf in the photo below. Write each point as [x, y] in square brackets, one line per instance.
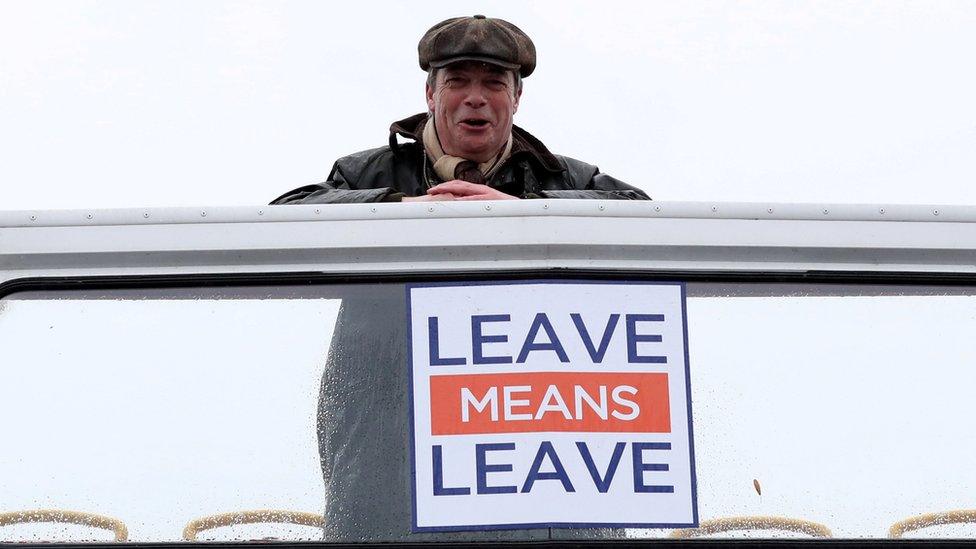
[445, 164]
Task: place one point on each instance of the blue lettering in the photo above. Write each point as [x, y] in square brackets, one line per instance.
[478, 340]
[434, 346]
[439, 489]
[602, 484]
[541, 321]
[633, 338]
[481, 451]
[596, 354]
[639, 467]
[546, 450]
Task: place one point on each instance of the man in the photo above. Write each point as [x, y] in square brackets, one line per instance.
[466, 146]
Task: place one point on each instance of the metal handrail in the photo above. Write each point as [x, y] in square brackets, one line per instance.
[918, 522]
[729, 524]
[65, 516]
[302, 518]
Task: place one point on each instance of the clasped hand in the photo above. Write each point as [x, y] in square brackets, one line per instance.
[460, 190]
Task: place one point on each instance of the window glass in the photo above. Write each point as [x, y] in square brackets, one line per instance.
[160, 411]
[845, 407]
[849, 407]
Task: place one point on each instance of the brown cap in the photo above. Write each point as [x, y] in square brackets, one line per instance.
[477, 38]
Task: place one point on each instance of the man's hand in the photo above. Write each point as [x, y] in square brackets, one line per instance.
[462, 190]
[430, 198]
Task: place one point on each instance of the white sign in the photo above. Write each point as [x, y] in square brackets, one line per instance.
[550, 404]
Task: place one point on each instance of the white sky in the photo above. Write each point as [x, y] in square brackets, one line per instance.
[128, 104]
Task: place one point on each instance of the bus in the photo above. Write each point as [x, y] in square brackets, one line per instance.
[517, 372]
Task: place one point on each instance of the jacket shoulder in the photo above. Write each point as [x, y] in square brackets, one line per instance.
[381, 166]
[580, 175]
[577, 170]
[353, 166]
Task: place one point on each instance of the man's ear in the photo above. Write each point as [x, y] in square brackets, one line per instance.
[515, 104]
[429, 92]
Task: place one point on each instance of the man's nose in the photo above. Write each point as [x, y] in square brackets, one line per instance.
[476, 97]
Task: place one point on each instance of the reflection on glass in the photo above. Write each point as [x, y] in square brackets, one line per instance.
[840, 406]
[160, 411]
[852, 411]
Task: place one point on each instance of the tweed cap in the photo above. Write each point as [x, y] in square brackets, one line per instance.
[477, 38]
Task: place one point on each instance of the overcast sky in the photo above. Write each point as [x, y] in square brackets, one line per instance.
[129, 104]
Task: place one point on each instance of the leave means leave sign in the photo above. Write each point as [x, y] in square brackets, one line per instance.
[550, 403]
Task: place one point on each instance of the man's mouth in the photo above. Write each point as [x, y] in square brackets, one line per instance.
[475, 122]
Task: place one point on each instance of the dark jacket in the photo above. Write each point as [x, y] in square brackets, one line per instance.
[387, 174]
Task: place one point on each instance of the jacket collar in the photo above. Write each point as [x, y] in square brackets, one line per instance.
[524, 144]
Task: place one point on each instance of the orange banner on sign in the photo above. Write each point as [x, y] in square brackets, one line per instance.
[550, 401]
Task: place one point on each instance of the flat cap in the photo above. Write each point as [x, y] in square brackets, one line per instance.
[477, 38]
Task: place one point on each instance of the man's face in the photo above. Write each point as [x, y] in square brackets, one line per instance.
[473, 104]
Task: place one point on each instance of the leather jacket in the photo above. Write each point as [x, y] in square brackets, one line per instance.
[389, 173]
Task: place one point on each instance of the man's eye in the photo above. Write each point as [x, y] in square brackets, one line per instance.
[497, 84]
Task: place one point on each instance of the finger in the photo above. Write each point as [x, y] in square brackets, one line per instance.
[461, 184]
[443, 188]
[459, 187]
